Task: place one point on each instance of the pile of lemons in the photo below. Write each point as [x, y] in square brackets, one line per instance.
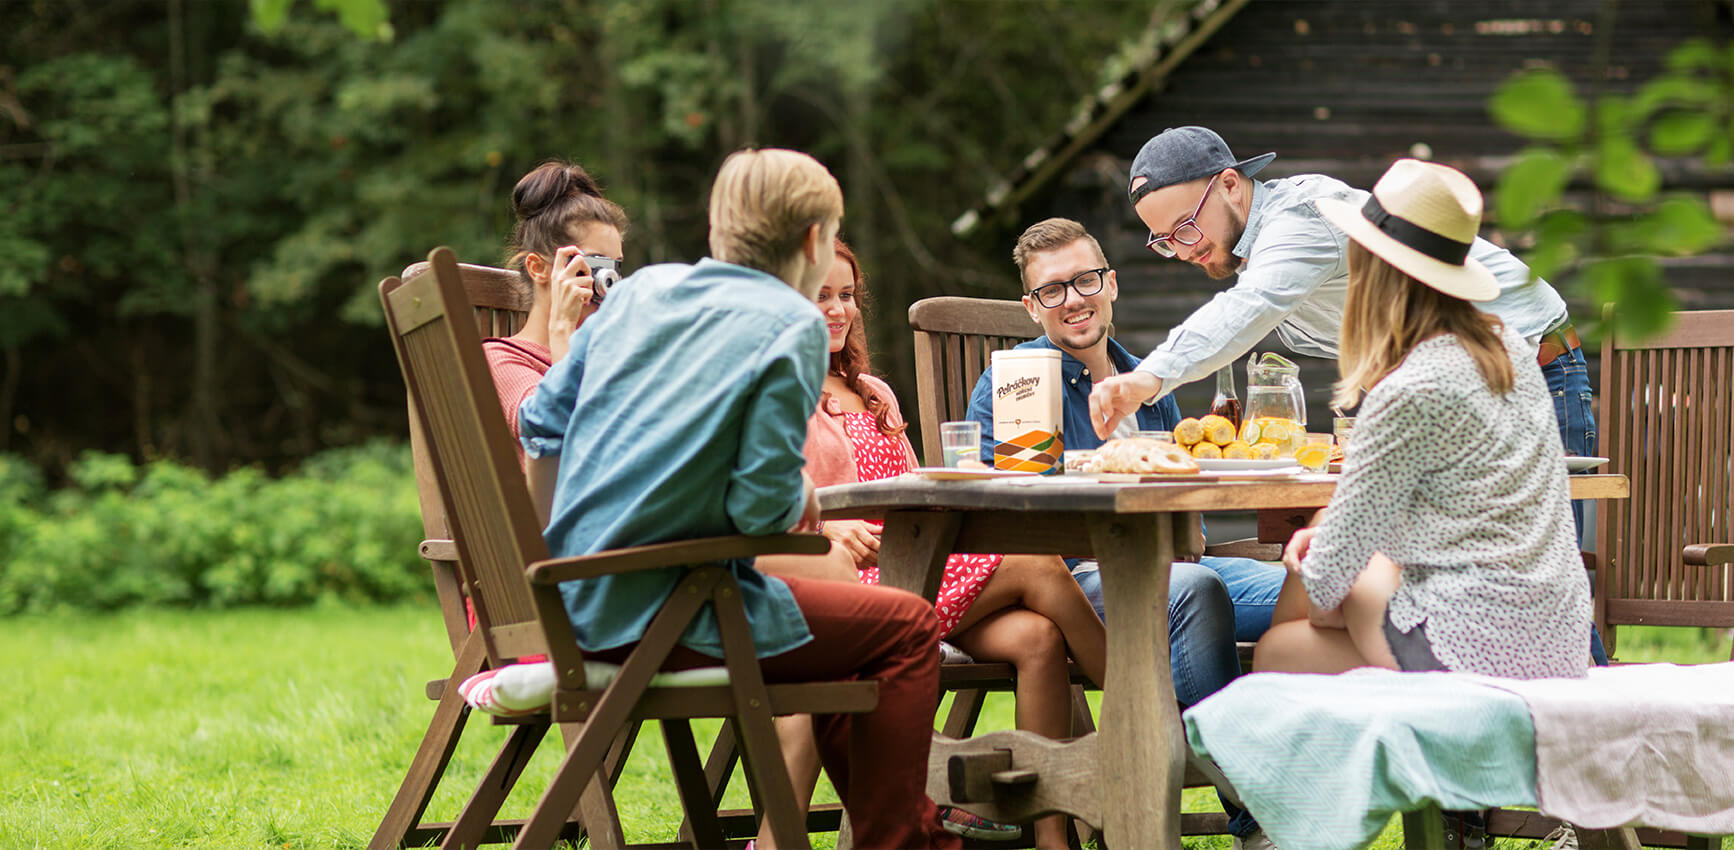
[1263, 438]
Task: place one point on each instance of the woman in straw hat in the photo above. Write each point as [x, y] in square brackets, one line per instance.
[1449, 542]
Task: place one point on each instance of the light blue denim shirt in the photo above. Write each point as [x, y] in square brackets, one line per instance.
[1294, 280]
[680, 412]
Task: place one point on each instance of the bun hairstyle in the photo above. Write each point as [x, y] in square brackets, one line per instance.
[549, 203]
[852, 361]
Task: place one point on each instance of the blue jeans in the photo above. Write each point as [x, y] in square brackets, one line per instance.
[1252, 587]
[1210, 606]
[1574, 406]
[1201, 650]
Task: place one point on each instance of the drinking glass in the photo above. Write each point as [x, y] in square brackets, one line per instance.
[1315, 452]
[960, 441]
[1342, 426]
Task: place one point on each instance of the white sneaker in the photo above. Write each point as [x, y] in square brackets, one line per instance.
[949, 654]
[1256, 841]
[1563, 837]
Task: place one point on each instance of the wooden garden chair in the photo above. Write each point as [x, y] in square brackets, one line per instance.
[515, 590]
[954, 341]
[1667, 423]
[500, 301]
[1664, 555]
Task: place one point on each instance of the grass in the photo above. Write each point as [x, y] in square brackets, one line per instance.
[290, 729]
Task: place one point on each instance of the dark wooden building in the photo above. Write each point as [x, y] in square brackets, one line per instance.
[1342, 88]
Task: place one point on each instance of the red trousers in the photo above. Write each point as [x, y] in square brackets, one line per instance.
[876, 760]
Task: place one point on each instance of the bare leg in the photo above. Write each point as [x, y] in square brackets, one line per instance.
[835, 565]
[1042, 584]
[801, 755]
[1291, 601]
[1365, 606]
[1295, 645]
[1034, 645]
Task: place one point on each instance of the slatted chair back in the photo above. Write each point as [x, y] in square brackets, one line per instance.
[1667, 423]
[501, 300]
[504, 557]
[478, 481]
[954, 340]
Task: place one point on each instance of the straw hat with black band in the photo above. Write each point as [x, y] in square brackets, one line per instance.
[1421, 218]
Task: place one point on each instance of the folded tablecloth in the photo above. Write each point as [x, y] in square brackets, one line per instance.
[1649, 744]
[1323, 761]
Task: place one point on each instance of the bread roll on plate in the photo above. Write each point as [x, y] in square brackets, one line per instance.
[1141, 456]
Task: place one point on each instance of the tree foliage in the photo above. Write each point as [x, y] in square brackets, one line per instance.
[1610, 251]
[196, 212]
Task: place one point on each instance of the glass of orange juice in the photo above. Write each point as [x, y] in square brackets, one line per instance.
[1315, 452]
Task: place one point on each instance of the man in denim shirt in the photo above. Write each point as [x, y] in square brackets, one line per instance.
[1202, 206]
[680, 412]
[1070, 291]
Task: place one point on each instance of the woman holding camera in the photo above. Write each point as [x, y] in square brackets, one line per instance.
[564, 227]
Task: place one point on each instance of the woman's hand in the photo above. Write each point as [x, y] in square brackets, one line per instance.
[857, 538]
[1331, 619]
[571, 291]
[1296, 550]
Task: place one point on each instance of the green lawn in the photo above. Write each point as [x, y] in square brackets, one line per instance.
[290, 729]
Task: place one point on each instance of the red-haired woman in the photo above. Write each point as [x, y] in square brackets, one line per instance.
[1022, 609]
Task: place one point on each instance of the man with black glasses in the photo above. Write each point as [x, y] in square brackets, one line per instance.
[1069, 290]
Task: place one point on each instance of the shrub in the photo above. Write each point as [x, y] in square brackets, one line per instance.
[344, 526]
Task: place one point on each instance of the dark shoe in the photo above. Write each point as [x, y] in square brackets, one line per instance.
[1465, 830]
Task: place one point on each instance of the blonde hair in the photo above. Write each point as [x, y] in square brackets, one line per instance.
[1387, 313]
[762, 203]
[1047, 235]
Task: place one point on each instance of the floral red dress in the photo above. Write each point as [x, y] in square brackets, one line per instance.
[879, 456]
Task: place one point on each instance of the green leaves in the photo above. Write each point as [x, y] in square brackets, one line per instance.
[1530, 185]
[1539, 104]
[1625, 171]
[1683, 112]
[1679, 132]
[1677, 227]
[365, 18]
[1635, 284]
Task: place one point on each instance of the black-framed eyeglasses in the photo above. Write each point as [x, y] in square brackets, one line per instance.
[1185, 233]
[1051, 295]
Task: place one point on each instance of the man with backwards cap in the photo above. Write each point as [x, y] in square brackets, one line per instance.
[1204, 207]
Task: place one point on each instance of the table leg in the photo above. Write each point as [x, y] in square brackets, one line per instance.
[914, 548]
[1141, 745]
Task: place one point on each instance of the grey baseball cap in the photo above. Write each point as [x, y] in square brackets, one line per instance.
[1180, 154]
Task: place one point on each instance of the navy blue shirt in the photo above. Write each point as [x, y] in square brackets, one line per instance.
[1076, 381]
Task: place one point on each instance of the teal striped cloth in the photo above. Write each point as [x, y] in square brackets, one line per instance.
[1324, 761]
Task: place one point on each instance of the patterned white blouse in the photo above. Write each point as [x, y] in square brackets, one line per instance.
[1467, 491]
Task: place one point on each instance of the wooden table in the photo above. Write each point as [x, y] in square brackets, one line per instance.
[1125, 777]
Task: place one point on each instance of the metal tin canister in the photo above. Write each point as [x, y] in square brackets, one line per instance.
[1026, 410]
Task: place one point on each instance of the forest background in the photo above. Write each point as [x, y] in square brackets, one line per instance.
[197, 197]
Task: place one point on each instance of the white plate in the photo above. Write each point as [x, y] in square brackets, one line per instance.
[952, 473]
[1235, 463]
[1583, 464]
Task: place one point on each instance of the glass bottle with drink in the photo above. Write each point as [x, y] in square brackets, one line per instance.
[1227, 403]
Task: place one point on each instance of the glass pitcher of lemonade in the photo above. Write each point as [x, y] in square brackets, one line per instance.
[1276, 410]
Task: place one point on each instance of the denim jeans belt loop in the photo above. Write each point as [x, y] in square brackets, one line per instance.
[1556, 343]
